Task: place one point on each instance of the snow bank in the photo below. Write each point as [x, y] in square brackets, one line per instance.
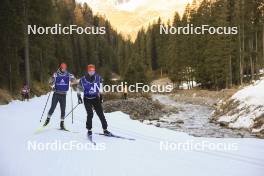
[244, 109]
[251, 95]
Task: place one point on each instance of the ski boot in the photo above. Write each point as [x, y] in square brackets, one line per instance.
[62, 127]
[89, 133]
[46, 122]
[107, 133]
[90, 136]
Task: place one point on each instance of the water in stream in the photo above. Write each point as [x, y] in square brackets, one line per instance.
[194, 120]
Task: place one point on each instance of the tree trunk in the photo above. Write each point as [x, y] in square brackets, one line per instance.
[26, 47]
[243, 44]
[251, 59]
[10, 78]
[240, 58]
[41, 65]
[263, 43]
[256, 59]
[230, 72]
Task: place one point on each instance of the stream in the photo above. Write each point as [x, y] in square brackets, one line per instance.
[194, 120]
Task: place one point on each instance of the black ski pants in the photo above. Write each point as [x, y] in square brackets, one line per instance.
[96, 104]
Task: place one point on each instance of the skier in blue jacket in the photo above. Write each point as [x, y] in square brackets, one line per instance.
[90, 85]
[60, 84]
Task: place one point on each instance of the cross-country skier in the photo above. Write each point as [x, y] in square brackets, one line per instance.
[90, 84]
[25, 92]
[60, 84]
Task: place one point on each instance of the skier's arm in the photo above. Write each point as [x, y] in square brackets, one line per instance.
[73, 79]
[79, 91]
[52, 81]
[79, 88]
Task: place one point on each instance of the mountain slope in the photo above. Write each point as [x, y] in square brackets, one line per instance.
[129, 16]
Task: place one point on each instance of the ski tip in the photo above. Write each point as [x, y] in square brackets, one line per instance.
[40, 129]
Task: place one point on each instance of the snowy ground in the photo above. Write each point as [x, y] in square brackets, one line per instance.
[19, 121]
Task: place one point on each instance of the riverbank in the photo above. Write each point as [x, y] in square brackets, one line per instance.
[139, 107]
[244, 110]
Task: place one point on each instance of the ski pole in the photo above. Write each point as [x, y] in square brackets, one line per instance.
[72, 110]
[45, 107]
[72, 105]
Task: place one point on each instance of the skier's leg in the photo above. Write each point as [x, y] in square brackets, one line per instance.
[52, 108]
[62, 100]
[54, 102]
[99, 111]
[27, 96]
[89, 110]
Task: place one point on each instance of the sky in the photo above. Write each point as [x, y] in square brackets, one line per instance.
[128, 16]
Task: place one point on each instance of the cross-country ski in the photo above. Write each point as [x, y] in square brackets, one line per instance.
[116, 136]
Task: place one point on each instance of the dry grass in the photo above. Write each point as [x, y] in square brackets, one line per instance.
[259, 121]
[229, 107]
[36, 89]
[5, 97]
[223, 94]
[39, 89]
[118, 96]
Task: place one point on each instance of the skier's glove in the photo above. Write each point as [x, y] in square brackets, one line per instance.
[52, 87]
[80, 101]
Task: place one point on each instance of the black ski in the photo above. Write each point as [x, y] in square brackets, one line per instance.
[116, 136]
